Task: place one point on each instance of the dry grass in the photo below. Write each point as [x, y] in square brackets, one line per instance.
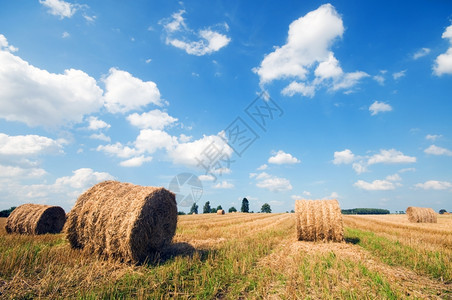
[397, 227]
[319, 220]
[237, 256]
[419, 246]
[36, 219]
[421, 215]
[122, 220]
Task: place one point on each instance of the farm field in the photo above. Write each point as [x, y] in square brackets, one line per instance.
[244, 256]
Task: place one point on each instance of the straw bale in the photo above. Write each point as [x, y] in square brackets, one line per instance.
[319, 220]
[421, 215]
[124, 221]
[220, 212]
[36, 219]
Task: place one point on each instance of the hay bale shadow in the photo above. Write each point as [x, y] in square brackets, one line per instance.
[174, 250]
[352, 240]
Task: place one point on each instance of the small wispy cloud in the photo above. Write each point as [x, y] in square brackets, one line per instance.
[421, 53]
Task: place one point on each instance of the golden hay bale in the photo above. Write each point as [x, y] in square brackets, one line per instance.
[421, 215]
[220, 212]
[319, 220]
[122, 220]
[36, 219]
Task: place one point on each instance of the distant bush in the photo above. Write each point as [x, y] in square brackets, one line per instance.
[365, 211]
[266, 208]
[5, 213]
[245, 206]
[206, 208]
[181, 213]
[441, 211]
[193, 209]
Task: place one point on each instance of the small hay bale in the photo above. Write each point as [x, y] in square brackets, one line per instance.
[319, 220]
[421, 215]
[220, 212]
[36, 219]
[122, 220]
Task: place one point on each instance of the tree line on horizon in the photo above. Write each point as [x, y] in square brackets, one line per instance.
[245, 208]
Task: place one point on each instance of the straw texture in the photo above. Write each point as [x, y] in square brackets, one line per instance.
[421, 215]
[36, 219]
[319, 220]
[122, 220]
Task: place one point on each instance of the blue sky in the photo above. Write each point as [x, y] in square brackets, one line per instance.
[355, 96]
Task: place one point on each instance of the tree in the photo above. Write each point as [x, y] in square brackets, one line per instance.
[232, 209]
[213, 210]
[266, 208]
[206, 208]
[245, 206]
[219, 207]
[5, 213]
[442, 211]
[194, 209]
[180, 213]
[292, 211]
[365, 211]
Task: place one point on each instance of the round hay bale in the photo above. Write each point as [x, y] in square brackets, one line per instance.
[220, 212]
[319, 220]
[122, 220]
[36, 219]
[421, 215]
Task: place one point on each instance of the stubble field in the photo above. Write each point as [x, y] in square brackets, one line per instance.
[244, 256]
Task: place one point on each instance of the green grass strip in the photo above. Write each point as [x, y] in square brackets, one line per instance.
[433, 263]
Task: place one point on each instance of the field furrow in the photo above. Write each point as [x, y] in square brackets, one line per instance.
[242, 256]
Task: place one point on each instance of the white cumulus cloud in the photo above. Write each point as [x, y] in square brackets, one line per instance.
[154, 119]
[29, 145]
[376, 185]
[307, 51]
[208, 40]
[83, 178]
[38, 97]
[272, 183]
[282, 157]
[60, 8]
[190, 154]
[135, 161]
[262, 167]
[5, 46]
[100, 137]
[434, 185]
[359, 167]
[391, 156]
[343, 157]
[443, 63]
[378, 107]
[124, 93]
[19, 172]
[223, 185]
[95, 124]
[64, 191]
[435, 150]
[206, 178]
[150, 140]
[118, 150]
[361, 163]
[299, 88]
